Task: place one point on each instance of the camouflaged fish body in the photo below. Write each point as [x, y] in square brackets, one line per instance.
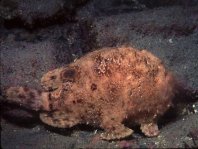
[106, 88]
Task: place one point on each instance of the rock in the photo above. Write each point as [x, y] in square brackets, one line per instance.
[100, 8]
[30, 13]
[159, 3]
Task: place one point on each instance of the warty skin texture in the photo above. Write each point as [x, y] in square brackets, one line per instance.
[106, 88]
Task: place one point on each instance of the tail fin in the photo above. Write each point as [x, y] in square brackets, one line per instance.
[28, 98]
[184, 93]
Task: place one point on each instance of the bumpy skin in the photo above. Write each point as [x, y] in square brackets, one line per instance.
[106, 88]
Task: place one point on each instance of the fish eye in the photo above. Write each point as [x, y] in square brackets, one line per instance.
[69, 73]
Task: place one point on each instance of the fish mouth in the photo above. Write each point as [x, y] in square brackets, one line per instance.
[52, 89]
[49, 89]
